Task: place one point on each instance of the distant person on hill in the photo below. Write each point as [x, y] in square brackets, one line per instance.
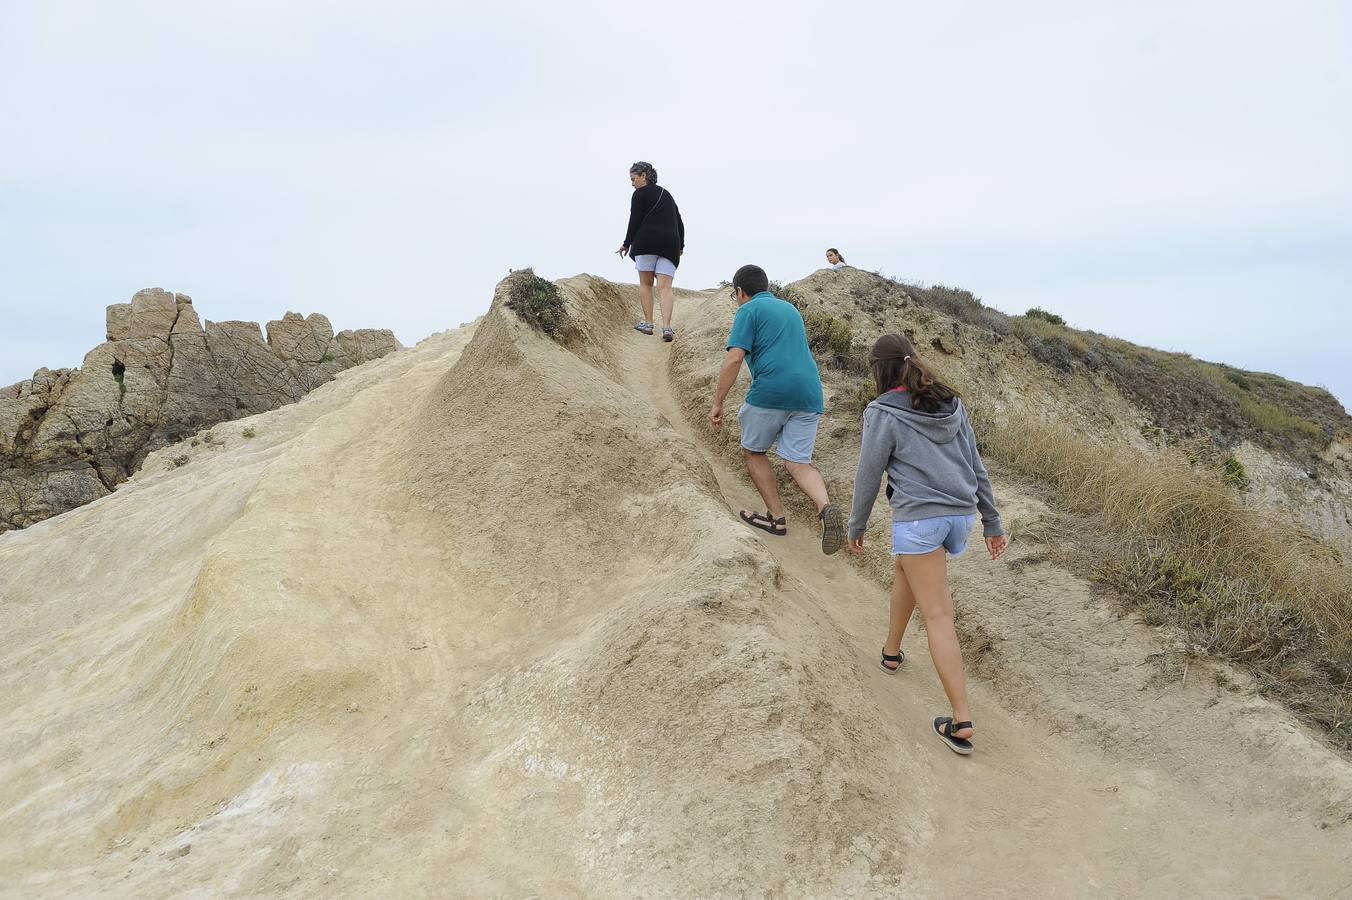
[655, 241]
[783, 405]
[834, 258]
[917, 432]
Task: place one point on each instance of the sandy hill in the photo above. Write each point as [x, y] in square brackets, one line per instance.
[478, 619]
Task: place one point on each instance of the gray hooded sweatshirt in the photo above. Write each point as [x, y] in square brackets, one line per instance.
[931, 461]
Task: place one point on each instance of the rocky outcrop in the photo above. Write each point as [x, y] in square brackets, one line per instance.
[70, 436]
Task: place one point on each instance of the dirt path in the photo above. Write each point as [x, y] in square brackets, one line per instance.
[1094, 776]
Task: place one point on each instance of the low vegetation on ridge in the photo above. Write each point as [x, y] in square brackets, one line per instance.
[1185, 396]
[537, 301]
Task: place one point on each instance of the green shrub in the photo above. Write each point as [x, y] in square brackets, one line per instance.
[865, 392]
[1233, 472]
[537, 301]
[830, 337]
[327, 357]
[1038, 312]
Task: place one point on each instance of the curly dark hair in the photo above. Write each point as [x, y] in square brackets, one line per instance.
[644, 168]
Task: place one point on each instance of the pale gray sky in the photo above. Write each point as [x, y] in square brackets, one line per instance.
[1173, 173]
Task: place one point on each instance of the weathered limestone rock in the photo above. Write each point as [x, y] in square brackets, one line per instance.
[153, 312]
[119, 321]
[300, 339]
[70, 436]
[306, 345]
[261, 378]
[366, 343]
[187, 321]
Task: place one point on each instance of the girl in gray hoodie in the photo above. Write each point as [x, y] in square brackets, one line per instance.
[917, 432]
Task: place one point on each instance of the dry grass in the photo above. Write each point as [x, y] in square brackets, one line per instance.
[1261, 412]
[1188, 551]
[1271, 417]
[959, 304]
[1043, 329]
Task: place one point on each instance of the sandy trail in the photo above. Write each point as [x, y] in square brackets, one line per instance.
[478, 619]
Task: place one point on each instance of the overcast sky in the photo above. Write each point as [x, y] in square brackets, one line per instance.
[1172, 173]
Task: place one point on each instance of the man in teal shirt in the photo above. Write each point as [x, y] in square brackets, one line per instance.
[783, 405]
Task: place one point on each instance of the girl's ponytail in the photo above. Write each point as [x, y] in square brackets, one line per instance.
[895, 364]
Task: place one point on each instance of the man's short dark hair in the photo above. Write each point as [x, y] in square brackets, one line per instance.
[751, 279]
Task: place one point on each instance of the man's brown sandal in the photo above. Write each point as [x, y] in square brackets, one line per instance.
[767, 522]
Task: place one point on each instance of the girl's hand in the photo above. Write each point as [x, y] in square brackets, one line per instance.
[996, 545]
[623, 251]
[857, 545]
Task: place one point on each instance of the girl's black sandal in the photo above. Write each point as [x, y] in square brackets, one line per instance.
[944, 726]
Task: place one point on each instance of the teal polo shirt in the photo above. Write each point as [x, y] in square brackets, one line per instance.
[783, 373]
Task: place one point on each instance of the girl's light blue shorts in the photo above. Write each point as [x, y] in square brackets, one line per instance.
[928, 535]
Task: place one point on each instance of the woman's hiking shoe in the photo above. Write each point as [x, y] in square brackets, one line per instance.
[765, 522]
[895, 660]
[833, 528]
[944, 726]
[668, 334]
[644, 327]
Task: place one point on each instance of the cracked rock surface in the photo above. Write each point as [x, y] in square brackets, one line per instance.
[70, 436]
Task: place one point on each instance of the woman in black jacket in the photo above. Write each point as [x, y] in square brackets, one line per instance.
[655, 240]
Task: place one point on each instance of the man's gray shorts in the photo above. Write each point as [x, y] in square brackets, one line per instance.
[796, 432]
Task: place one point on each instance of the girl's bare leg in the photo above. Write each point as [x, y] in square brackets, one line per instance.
[927, 576]
[903, 605]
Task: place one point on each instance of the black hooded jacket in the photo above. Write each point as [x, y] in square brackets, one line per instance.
[655, 224]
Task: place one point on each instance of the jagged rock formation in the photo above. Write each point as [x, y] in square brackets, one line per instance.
[69, 436]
